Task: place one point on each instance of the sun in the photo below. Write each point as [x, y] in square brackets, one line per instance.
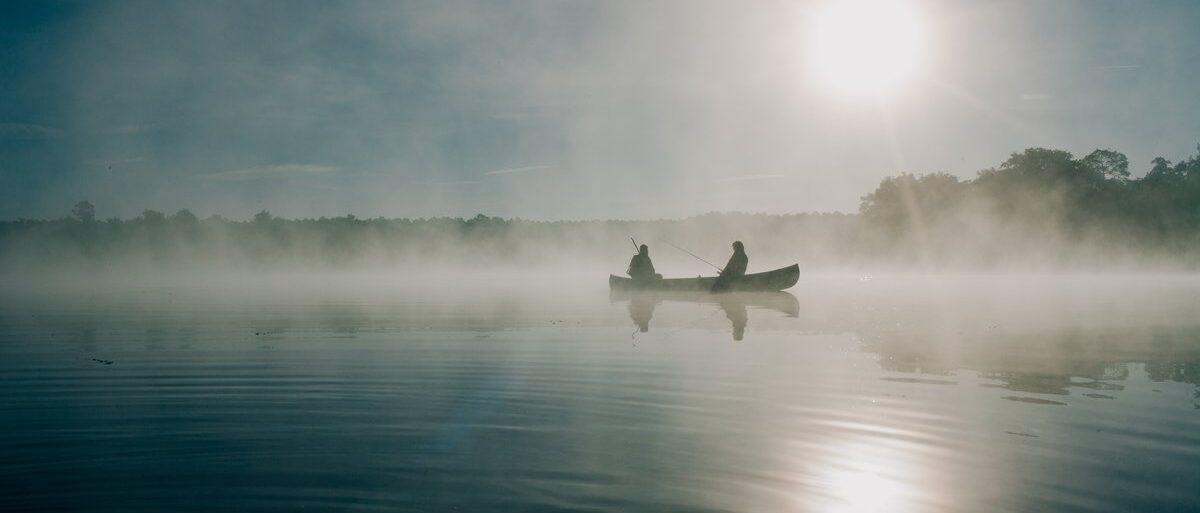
[866, 46]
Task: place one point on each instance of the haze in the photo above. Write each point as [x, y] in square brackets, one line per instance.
[604, 256]
[555, 110]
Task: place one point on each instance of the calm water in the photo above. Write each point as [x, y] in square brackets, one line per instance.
[847, 395]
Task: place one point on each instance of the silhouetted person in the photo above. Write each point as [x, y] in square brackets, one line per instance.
[640, 266]
[734, 269]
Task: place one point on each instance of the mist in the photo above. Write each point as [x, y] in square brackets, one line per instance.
[1040, 210]
[553, 110]
[600, 255]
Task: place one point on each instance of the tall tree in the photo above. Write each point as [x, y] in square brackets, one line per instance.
[84, 211]
[1112, 165]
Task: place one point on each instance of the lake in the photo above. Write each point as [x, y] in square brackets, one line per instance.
[846, 394]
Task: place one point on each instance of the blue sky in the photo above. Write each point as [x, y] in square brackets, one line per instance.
[557, 109]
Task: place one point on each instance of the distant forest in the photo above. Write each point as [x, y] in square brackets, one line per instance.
[1040, 209]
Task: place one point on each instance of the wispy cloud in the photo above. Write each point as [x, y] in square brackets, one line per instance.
[1121, 67]
[274, 171]
[518, 170]
[28, 131]
[114, 162]
[745, 178]
[1035, 97]
[130, 129]
[514, 116]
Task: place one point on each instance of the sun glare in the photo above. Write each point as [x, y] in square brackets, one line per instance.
[867, 476]
[866, 46]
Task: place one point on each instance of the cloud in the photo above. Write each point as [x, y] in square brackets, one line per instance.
[130, 129]
[274, 172]
[515, 116]
[111, 163]
[745, 178]
[518, 170]
[28, 131]
[1035, 97]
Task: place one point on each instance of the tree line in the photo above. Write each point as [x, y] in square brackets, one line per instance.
[1039, 208]
[1043, 204]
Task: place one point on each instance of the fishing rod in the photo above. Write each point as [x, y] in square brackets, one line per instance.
[694, 256]
[636, 249]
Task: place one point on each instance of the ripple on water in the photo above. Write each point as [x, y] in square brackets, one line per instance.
[355, 412]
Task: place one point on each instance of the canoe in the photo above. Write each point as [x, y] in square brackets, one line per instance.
[778, 279]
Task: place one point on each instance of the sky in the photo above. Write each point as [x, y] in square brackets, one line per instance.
[556, 109]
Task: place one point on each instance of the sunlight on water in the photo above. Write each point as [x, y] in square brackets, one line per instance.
[902, 395]
[866, 479]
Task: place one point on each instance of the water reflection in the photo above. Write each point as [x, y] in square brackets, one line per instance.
[845, 401]
[735, 310]
[869, 476]
[733, 305]
[1039, 364]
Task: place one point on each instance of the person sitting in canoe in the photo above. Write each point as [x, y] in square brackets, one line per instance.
[734, 269]
[640, 266]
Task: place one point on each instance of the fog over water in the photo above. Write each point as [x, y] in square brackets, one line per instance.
[365, 256]
[847, 394]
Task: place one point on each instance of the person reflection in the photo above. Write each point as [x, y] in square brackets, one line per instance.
[641, 310]
[735, 311]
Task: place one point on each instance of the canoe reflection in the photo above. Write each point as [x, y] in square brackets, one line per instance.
[642, 304]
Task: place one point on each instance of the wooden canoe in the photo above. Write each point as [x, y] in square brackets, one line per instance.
[778, 279]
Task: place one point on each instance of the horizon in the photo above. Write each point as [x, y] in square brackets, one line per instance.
[600, 255]
[1126, 178]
